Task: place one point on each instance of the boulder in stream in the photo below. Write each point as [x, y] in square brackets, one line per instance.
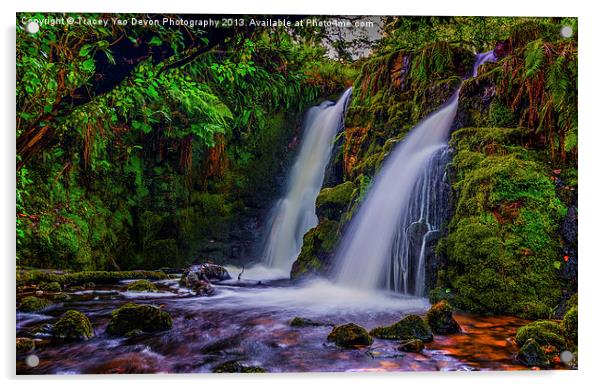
[349, 335]
[199, 277]
[131, 319]
[410, 327]
[142, 285]
[237, 367]
[440, 319]
[32, 304]
[414, 346]
[531, 354]
[72, 326]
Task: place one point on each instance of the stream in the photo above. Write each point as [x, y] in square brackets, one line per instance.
[248, 322]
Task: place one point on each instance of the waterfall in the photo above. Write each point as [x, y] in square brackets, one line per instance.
[295, 213]
[385, 244]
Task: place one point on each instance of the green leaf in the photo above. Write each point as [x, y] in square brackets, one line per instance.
[155, 41]
[85, 50]
[557, 264]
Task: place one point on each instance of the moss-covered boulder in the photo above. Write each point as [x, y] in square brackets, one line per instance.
[237, 367]
[51, 287]
[349, 335]
[410, 327]
[545, 333]
[318, 247]
[72, 326]
[133, 318]
[412, 346]
[531, 354]
[32, 304]
[303, 322]
[25, 345]
[142, 285]
[441, 320]
[569, 325]
[334, 201]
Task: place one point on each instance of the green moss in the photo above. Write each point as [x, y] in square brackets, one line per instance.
[318, 246]
[142, 285]
[349, 335]
[72, 326]
[77, 278]
[333, 201]
[569, 325]
[502, 246]
[52, 286]
[545, 333]
[500, 115]
[303, 322]
[32, 304]
[131, 318]
[410, 327]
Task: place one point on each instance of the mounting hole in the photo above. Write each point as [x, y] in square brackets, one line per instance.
[32, 361]
[566, 31]
[566, 356]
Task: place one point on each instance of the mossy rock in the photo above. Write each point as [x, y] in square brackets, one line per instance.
[349, 335]
[32, 304]
[317, 250]
[531, 354]
[413, 346]
[25, 345]
[52, 286]
[333, 201]
[545, 333]
[441, 320]
[142, 285]
[303, 322]
[72, 326]
[569, 325]
[78, 278]
[410, 327]
[237, 367]
[133, 318]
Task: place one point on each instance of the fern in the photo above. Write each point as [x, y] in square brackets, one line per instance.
[534, 56]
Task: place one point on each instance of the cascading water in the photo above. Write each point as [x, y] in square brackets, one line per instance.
[295, 213]
[385, 244]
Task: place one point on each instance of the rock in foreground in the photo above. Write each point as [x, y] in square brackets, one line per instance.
[440, 319]
[531, 354]
[349, 335]
[410, 327]
[237, 367]
[72, 326]
[131, 319]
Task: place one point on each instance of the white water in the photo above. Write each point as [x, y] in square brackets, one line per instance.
[295, 213]
[382, 248]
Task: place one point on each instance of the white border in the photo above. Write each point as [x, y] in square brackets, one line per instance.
[590, 167]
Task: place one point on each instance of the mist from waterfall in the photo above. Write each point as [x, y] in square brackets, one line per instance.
[386, 243]
[295, 213]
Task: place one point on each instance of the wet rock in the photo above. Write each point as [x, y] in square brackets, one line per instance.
[72, 326]
[61, 297]
[199, 277]
[302, 322]
[25, 345]
[131, 318]
[237, 367]
[441, 320]
[413, 346]
[349, 335]
[410, 327]
[89, 285]
[531, 354]
[569, 325]
[33, 304]
[142, 286]
[334, 201]
[545, 333]
[51, 287]
[43, 330]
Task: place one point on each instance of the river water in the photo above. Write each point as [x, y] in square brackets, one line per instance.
[248, 322]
